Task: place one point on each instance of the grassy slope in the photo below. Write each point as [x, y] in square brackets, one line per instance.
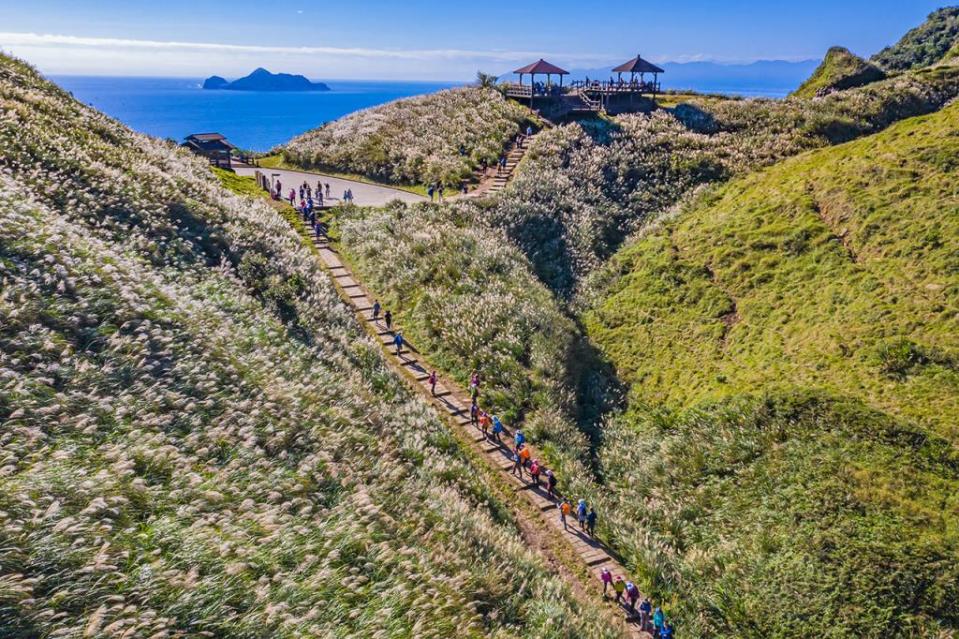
[791, 342]
[925, 45]
[197, 439]
[840, 69]
[416, 140]
[812, 273]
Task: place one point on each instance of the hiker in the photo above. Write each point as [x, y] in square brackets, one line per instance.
[497, 431]
[376, 310]
[666, 632]
[292, 197]
[518, 461]
[319, 230]
[398, 342]
[523, 458]
[607, 578]
[430, 192]
[619, 586]
[388, 318]
[302, 193]
[564, 509]
[519, 438]
[534, 471]
[591, 522]
[581, 513]
[319, 198]
[551, 482]
[474, 393]
[658, 620]
[475, 378]
[439, 193]
[319, 188]
[474, 416]
[529, 130]
[327, 190]
[349, 194]
[463, 188]
[645, 610]
[632, 594]
[346, 197]
[433, 383]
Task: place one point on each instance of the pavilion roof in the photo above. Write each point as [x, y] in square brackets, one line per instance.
[542, 66]
[638, 65]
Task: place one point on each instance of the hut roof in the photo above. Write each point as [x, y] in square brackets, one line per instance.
[638, 65]
[207, 142]
[206, 137]
[542, 66]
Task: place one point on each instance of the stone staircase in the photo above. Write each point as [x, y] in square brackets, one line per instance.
[453, 402]
[497, 179]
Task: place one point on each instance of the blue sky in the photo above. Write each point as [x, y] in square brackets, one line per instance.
[420, 39]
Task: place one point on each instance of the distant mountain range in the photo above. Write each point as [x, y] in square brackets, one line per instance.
[263, 80]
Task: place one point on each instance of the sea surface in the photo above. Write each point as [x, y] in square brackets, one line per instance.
[255, 121]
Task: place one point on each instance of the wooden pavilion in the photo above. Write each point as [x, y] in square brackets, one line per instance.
[541, 67]
[641, 67]
[213, 146]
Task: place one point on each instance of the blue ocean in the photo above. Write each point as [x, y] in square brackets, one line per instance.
[176, 107]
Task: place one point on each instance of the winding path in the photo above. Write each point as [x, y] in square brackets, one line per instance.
[453, 402]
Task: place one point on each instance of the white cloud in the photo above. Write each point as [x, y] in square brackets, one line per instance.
[76, 54]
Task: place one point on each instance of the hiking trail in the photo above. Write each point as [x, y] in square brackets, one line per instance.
[454, 404]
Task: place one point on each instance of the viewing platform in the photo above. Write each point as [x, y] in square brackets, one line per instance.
[616, 95]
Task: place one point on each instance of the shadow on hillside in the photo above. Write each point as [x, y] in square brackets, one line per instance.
[599, 392]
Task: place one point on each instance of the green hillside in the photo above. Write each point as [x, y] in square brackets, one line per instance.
[437, 138]
[834, 270]
[925, 45]
[840, 69]
[197, 440]
[791, 347]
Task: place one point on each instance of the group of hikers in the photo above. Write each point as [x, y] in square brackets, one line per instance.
[627, 593]
[309, 198]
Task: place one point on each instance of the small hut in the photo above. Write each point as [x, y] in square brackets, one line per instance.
[641, 67]
[213, 146]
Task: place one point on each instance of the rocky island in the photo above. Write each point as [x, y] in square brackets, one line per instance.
[263, 80]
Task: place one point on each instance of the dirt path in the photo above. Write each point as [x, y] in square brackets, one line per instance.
[589, 556]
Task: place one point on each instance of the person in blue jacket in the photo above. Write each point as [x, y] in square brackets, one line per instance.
[398, 342]
[658, 620]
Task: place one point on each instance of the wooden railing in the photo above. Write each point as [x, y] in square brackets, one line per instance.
[615, 87]
[518, 91]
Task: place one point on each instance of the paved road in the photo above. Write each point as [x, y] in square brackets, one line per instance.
[363, 194]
